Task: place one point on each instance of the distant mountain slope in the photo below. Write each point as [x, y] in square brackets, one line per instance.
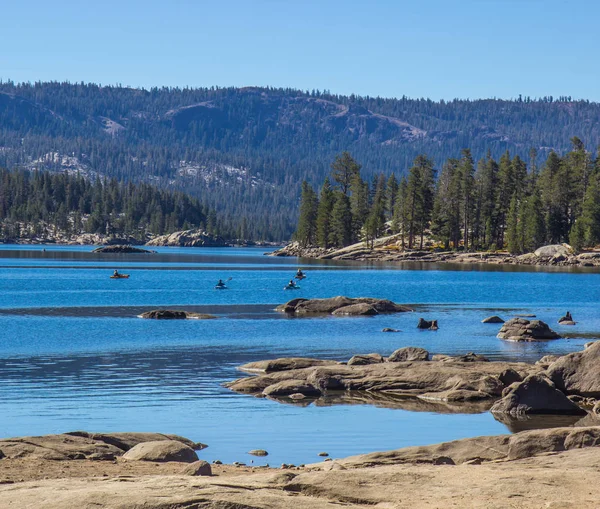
[245, 150]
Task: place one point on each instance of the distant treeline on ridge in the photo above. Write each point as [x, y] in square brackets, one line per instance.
[33, 204]
[505, 204]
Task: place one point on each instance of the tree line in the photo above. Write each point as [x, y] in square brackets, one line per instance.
[33, 202]
[281, 135]
[485, 205]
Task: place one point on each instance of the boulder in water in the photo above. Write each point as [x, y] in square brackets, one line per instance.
[427, 325]
[492, 319]
[520, 329]
[360, 309]
[172, 314]
[121, 249]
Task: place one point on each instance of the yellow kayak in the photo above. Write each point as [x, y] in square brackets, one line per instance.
[120, 276]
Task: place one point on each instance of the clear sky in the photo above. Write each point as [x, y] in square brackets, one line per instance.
[419, 48]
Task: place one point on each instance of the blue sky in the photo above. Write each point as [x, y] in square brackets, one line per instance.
[421, 48]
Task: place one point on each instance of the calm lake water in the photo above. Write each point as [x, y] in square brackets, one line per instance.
[74, 355]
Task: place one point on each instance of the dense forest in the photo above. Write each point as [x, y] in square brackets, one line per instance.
[245, 151]
[488, 205]
[32, 204]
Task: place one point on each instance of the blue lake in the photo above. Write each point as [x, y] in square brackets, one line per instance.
[74, 355]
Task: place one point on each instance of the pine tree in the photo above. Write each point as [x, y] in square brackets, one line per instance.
[341, 221]
[324, 211]
[534, 226]
[513, 243]
[343, 168]
[307, 221]
[359, 205]
[391, 192]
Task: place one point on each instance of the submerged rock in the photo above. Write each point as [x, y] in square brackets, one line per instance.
[171, 314]
[388, 329]
[520, 329]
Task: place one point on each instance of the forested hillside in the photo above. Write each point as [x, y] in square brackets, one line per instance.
[246, 150]
[488, 205]
[42, 204]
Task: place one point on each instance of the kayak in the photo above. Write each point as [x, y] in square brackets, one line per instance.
[120, 276]
[300, 278]
[217, 287]
[288, 287]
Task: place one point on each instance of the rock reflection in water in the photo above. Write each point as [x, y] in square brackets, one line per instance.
[529, 422]
[383, 400]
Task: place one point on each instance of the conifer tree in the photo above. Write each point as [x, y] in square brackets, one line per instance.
[343, 168]
[341, 221]
[324, 211]
[307, 222]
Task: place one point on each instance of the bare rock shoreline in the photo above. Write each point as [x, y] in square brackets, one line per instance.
[559, 465]
[559, 255]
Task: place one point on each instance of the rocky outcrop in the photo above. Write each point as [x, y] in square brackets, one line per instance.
[80, 445]
[520, 329]
[553, 250]
[567, 319]
[363, 360]
[188, 238]
[285, 364]
[408, 354]
[172, 314]
[451, 380]
[161, 451]
[578, 373]
[198, 468]
[427, 324]
[388, 250]
[535, 395]
[492, 319]
[341, 306]
[558, 465]
[361, 309]
[121, 249]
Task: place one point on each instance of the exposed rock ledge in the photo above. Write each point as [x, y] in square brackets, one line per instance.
[340, 306]
[173, 314]
[554, 468]
[188, 238]
[121, 249]
[406, 373]
[387, 250]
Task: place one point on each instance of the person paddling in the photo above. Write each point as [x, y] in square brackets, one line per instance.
[116, 273]
[220, 284]
[291, 283]
[299, 274]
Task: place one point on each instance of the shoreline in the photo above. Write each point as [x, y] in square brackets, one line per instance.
[560, 255]
[560, 466]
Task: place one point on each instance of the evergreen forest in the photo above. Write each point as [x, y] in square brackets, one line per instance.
[245, 151]
[33, 204]
[492, 204]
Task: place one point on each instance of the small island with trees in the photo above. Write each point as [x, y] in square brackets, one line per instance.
[491, 211]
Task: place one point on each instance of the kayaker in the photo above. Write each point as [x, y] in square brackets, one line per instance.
[116, 273]
[299, 273]
[291, 283]
[220, 284]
